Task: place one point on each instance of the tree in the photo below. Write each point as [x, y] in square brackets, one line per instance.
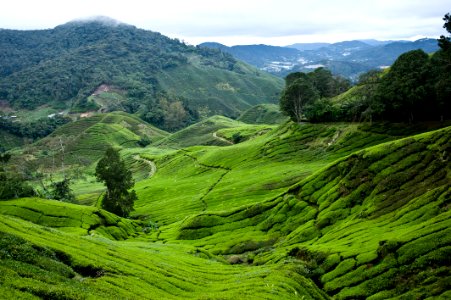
[62, 191]
[12, 185]
[323, 81]
[296, 96]
[445, 42]
[441, 66]
[404, 91]
[118, 179]
[369, 83]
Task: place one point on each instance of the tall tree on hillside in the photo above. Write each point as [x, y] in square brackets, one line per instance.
[404, 91]
[118, 179]
[296, 96]
[441, 66]
[323, 80]
[369, 83]
[445, 41]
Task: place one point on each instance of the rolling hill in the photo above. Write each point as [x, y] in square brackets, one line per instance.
[84, 141]
[263, 114]
[62, 67]
[315, 211]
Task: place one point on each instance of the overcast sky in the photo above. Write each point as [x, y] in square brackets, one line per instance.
[233, 22]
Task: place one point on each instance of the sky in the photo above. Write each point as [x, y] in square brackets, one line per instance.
[244, 22]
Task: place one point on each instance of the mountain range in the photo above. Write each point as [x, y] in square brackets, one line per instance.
[348, 58]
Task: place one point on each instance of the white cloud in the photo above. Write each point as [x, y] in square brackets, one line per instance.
[236, 22]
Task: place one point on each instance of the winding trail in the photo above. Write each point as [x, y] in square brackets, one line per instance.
[152, 165]
[225, 172]
[221, 138]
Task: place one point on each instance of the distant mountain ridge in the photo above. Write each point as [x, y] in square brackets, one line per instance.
[347, 58]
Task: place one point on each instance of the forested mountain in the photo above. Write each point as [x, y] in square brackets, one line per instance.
[256, 55]
[147, 71]
[349, 58]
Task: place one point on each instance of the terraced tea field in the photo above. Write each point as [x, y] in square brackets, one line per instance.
[308, 211]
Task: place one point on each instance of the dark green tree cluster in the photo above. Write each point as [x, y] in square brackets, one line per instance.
[57, 190]
[417, 87]
[168, 112]
[12, 185]
[34, 130]
[80, 56]
[111, 169]
[61, 190]
[303, 90]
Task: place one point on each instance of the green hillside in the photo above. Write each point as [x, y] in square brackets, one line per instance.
[41, 263]
[232, 200]
[82, 220]
[201, 133]
[263, 114]
[312, 211]
[373, 223]
[353, 229]
[224, 93]
[197, 179]
[84, 141]
[65, 66]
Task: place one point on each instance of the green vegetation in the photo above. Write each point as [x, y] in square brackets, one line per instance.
[229, 210]
[33, 130]
[71, 218]
[86, 66]
[415, 88]
[12, 185]
[62, 191]
[263, 114]
[35, 264]
[83, 142]
[302, 91]
[118, 180]
[302, 210]
[201, 133]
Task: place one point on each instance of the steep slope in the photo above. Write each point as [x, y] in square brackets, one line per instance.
[347, 211]
[200, 178]
[81, 220]
[84, 141]
[40, 262]
[65, 65]
[374, 224]
[263, 114]
[201, 133]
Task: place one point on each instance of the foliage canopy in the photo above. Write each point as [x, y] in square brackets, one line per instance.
[111, 169]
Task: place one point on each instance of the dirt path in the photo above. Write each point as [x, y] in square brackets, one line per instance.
[152, 165]
[221, 139]
[224, 169]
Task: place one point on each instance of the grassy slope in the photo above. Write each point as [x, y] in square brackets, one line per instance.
[70, 217]
[9, 141]
[263, 114]
[373, 224]
[38, 262]
[223, 92]
[86, 140]
[200, 179]
[200, 133]
[300, 201]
